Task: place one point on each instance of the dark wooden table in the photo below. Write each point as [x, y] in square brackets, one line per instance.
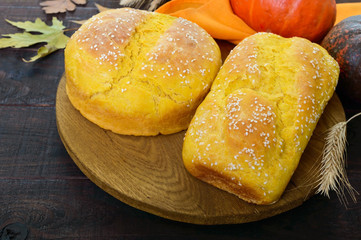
[42, 188]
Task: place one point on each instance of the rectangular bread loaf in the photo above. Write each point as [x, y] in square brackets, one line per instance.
[248, 135]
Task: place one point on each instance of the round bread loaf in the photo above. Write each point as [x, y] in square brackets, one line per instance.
[139, 73]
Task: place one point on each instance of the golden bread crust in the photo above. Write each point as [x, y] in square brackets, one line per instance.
[139, 73]
[248, 135]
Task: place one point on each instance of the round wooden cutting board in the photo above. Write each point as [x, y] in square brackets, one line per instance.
[148, 172]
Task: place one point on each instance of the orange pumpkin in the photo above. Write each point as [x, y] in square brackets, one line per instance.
[311, 19]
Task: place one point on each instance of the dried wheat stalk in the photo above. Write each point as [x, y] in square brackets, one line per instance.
[143, 4]
[333, 165]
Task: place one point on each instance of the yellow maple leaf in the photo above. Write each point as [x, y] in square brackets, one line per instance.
[52, 35]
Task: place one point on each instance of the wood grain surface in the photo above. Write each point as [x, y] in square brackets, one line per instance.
[148, 172]
[42, 188]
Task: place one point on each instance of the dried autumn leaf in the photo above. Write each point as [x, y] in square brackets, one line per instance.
[60, 6]
[53, 35]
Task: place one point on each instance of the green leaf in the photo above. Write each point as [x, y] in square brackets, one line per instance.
[52, 35]
[19, 40]
[42, 52]
[57, 43]
[39, 26]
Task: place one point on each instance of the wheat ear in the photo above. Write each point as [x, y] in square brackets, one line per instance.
[333, 164]
[128, 2]
[152, 4]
